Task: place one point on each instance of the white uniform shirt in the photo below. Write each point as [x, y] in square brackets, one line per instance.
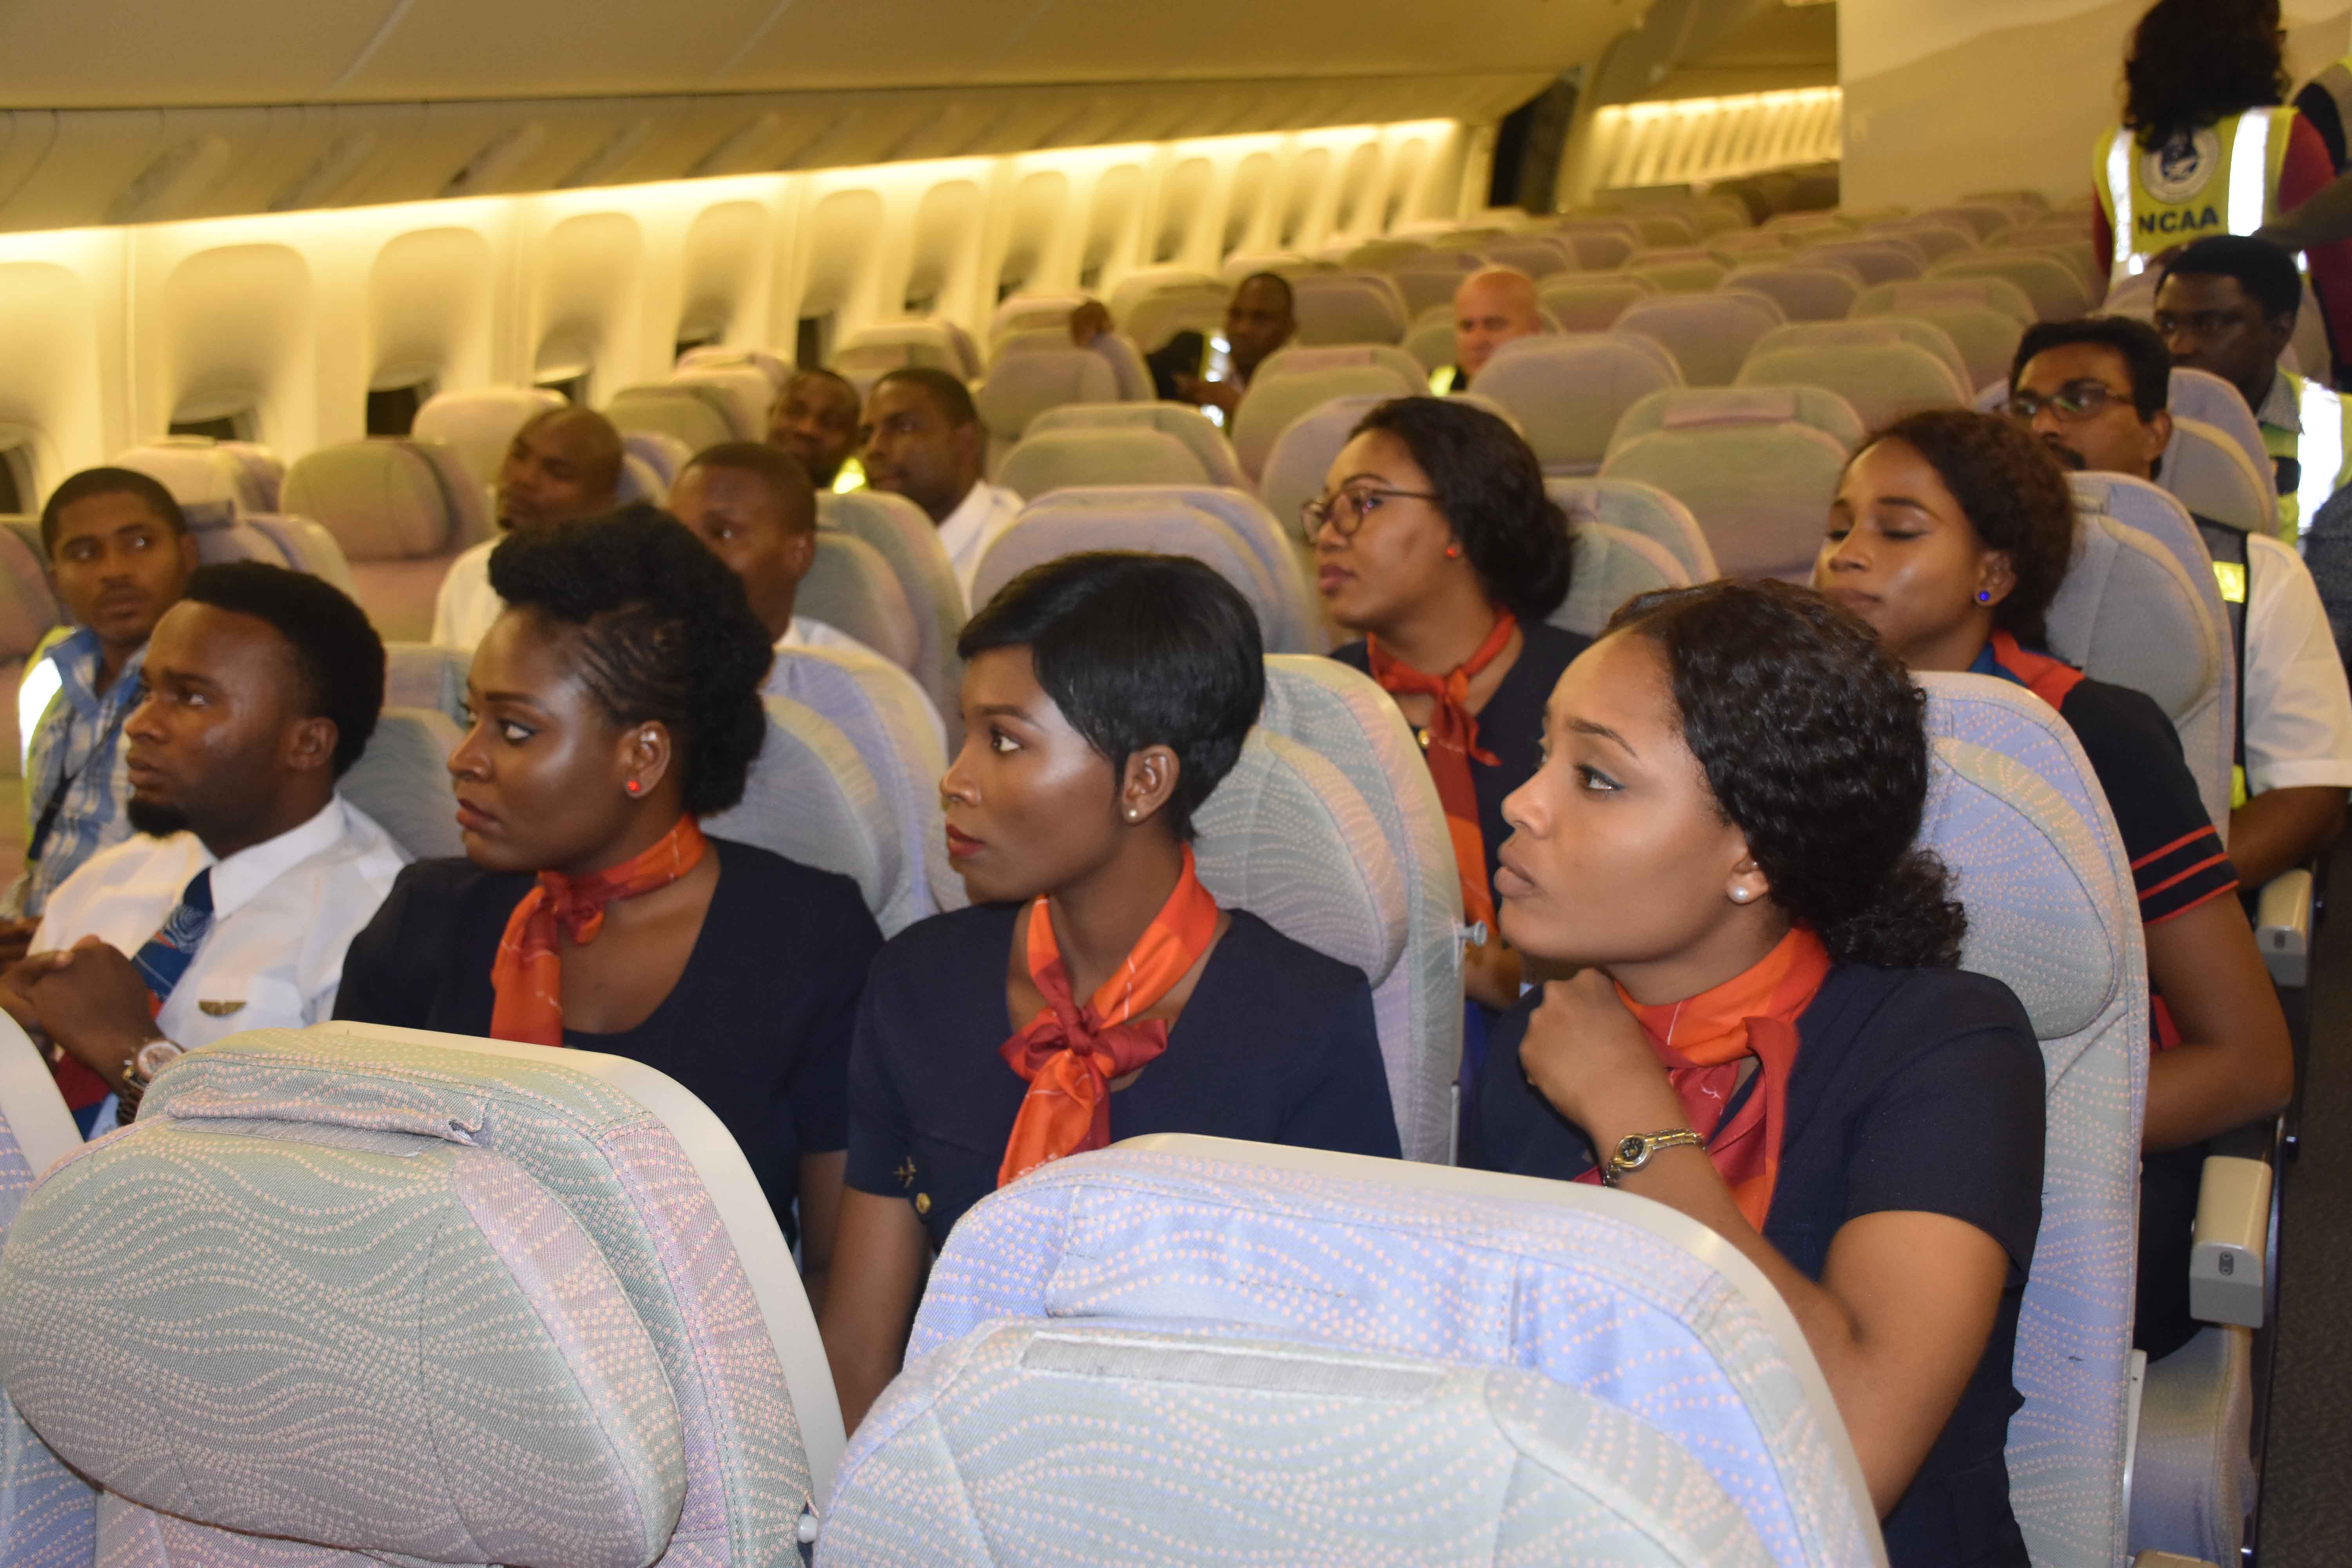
[2298, 706]
[966, 533]
[283, 912]
[467, 606]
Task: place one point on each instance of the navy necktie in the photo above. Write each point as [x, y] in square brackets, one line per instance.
[165, 956]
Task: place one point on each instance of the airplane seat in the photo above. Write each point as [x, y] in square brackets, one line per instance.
[1430, 339]
[1181, 420]
[1174, 303]
[2128, 613]
[1126, 366]
[1642, 510]
[48, 1513]
[1631, 1304]
[1612, 565]
[811, 798]
[2014, 810]
[903, 535]
[2202, 395]
[1805, 292]
[743, 389]
[1429, 278]
[428, 676]
[1257, 1425]
[1567, 393]
[1168, 518]
[1933, 238]
[884, 715]
[1289, 384]
[1600, 250]
[1348, 308]
[479, 423]
[718, 356]
[1684, 408]
[1944, 292]
[694, 413]
[868, 354]
[205, 476]
[305, 547]
[1538, 255]
[1032, 313]
[265, 470]
[1029, 377]
[1707, 334]
[851, 588]
[1340, 715]
[1883, 381]
[401, 511]
[2207, 471]
[1592, 301]
[1753, 465]
[1301, 455]
[2057, 291]
[401, 780]
[1680, 270]
[1047, 460]
[513, 1303]
[1986, 337]
[1871, 332]
[1881, 258]
[664, 454]
[640, 482]
[31, 619]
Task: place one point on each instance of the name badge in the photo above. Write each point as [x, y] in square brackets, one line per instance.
[219, 1009]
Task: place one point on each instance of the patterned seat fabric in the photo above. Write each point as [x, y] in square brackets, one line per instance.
[498, 1252]
[904, 537]
[743, 390]
[1047, 460]
[1872, 332]
[1260, 1451]
[1697, 409]
[1640, 508]
[1567, 393]
[2208, 472]
[1579, 1291]
[1758, 490]
[205, 475]
[1883, 381]
[1026, 380]
[1709, 335]
[1592, 302]
[1348, 308]
[1805, 292]
[1295, 381]
[697, 413]
[402, 782]
[1181, 420]
[851, 588]
[811, 798]
[2058, 291]
[1612, 565]
[1302, 453]
[2014, 809]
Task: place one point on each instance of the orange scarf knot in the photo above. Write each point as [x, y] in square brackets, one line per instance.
[1450, 745]
[526, 976]
[1070, 1054]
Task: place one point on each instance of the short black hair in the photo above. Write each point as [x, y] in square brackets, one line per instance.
[1138, 650]
[2265, 272]
[953, 396]
[2144, 355]
[1280, 284]
[337, 653]
[1814, 739]
[107, 481]
[822, 373]
[661, 633]
[780, 471]
[1490, 485]
[2016, 496]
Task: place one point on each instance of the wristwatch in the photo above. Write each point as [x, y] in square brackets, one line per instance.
[139, 1070]
[1633, 1153]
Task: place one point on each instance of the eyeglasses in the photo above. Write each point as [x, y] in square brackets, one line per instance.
[1346, 511]
[2076, 400]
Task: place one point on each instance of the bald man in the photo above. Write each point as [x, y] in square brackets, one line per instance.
[1493, 306]
[563, 466]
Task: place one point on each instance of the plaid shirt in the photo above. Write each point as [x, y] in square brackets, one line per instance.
[77, 748]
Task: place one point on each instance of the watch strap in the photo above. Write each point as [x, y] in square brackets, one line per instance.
[1632, 1153]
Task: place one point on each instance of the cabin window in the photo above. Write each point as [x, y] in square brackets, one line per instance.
[392, 410]
[811, 342]
[218, 427]
[570, 388]
[15, 480]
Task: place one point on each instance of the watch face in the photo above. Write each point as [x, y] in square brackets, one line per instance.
[154, 1057]
[1633, 1149]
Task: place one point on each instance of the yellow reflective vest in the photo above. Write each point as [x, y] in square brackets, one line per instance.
[2222, 178]
[2313, 463]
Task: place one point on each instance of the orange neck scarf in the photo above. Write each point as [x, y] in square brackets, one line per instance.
[1450, 743]
[526, 976]
[1070, 1054]
[1703, 1039]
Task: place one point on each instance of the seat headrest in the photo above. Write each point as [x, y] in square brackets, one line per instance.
[851, 588]
[811, 798]
[1054, 459]
[2210, 475]
[383, 501]
[401, 780]
[1023, 385]
[454, 1373]
[1612, 566]
[213, 485]
[2127, 613]
[1700, 407]
[1072, 520]
[29, 604]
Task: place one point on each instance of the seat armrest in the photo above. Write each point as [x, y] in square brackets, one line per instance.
[2283, 927]
[2225, 1259]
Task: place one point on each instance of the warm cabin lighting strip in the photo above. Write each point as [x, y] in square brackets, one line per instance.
[1682, 140]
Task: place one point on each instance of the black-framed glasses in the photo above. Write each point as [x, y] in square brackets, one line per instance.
[2075, 400]
[1346, 511]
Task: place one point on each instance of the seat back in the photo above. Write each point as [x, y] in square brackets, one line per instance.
[888, 720]
[1872, 332]
[2016, 812]
[305, 547]
[1196, 305]
[2209, 472]
[213, 481]
[1047, 460]
[1631, 1304]
[2132, 614]
[811, 798]
[1031, 314]
[1592, 302]
[743, 390]
[1698, 407]
[1302, 454]
[479, 423]
[383, 501]
[1272, 402]
[870, 352]
[1181, 420]
[1021, 385]
[2202, 395]
[1805, 292]
[1760, 489]
[1709, 335]
[1676, 270]
[1642, 510]
[402, 781]
[1429, 278]
[554, 1263]
[720, 356]
[664, 454]
[1537, 255]
[1612, 565]
[1946, 292]
[1883, 381]
[1347, 307]
[2056, 290]
[1430, 339]
[903, 535]
[1549, 1474]
[851, 588]
[695, 413]
[1875, 258]
[1567, 393]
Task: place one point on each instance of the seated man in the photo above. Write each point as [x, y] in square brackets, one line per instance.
[565, 464]
[119, 555]
[2228, 305]
[1493, 306]
[250, 875]
[923, 440]
[815, 420]
[1259, 319]
[2094, 392]
[754, 507]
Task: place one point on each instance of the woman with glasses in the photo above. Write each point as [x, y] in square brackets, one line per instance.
[1950, 534]
[1435, 541]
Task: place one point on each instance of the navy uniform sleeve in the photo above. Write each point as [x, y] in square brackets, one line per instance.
[381, 978]
[879, 1140]
[818, 1089]
[1346, 1106]
[2177, 859]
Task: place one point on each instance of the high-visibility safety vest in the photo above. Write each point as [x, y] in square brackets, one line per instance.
[2233, 560]
[2311, 463]
[2222, 178]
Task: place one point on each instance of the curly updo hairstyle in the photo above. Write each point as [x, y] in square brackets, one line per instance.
[1814, 742]
[2015, 495]
[659, 632]
[1491, 489]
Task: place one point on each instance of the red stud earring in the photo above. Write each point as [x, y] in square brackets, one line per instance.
[634, 787]
[1454, 552]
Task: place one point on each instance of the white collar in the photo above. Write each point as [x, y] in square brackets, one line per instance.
[2280, 409]
[961, 529]
[237, 879]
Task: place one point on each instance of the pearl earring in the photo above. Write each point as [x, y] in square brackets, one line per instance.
[1739, 895]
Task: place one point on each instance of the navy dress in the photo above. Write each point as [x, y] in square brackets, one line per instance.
[1913, 1089]
[1276, 1045]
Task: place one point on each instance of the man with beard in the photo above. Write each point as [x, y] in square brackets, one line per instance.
[2094, 392]
[249, 875]
[563, 466]
[815, 420]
